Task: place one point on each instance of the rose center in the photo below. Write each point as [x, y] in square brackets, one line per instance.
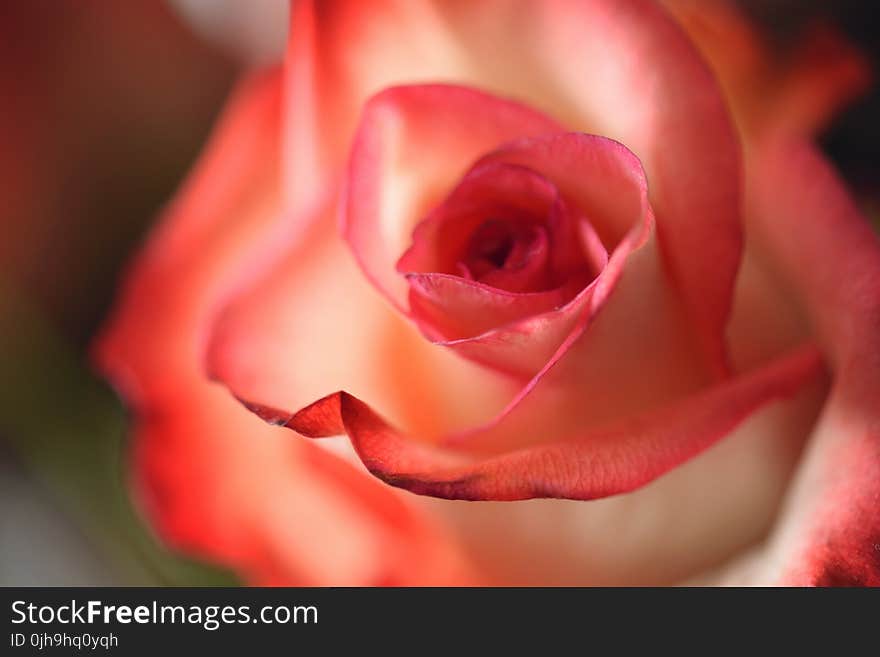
[503, 248]
[506, 228]
[501, 244]
[494, 247]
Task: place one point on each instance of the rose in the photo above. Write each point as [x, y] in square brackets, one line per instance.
[167, 405]
[572, 319]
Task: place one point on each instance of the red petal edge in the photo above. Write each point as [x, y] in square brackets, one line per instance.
[602, 463]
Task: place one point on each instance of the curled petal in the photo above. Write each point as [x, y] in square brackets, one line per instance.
[598, 464]
[452, 308]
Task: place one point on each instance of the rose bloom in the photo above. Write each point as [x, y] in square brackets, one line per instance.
[514, 293]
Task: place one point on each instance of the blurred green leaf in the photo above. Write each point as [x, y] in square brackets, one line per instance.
[69, 429]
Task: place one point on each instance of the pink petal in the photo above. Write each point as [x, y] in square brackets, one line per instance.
[454, 308]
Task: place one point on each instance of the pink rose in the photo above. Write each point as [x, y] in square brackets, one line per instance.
[513, 251]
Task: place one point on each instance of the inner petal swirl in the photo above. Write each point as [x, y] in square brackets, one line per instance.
[503, 246]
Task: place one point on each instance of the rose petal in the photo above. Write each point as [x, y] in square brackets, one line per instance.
[216, 482]
[598, 464]
[454, 308]
[828, 256]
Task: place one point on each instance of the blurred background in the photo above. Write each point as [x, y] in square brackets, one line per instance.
[104, 104]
